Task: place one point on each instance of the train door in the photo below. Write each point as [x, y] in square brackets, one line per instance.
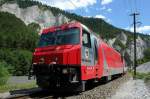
[95, 48]
[88, 55]
[87, 51]
[97, 68]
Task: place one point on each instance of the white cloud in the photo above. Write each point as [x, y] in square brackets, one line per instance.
[142, 29]
[109, 21]
[68, 4]
[100, 16]
[109, 10]
[105, 2]
[106, 9]
[87, 16]
[103, 17]
[103, 8]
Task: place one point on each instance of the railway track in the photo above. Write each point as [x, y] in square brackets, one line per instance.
[96, 92]
[19, 94]
[29, 97]
[37, 93]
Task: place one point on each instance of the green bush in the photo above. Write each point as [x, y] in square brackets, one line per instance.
[147, 53]
[147, 78]
[24, 62]
[144, 76]
[19, 60]
[4, 74]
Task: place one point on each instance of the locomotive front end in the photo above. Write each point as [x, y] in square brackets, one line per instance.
[57, 59]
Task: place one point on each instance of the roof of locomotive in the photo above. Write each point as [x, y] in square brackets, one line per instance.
[68, 25]
[61, 27]
[72, 25]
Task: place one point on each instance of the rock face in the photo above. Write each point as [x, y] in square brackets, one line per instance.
[123, 38]
[34, 14]
[126, 48]
[141, 46]
[45, 18]
[111, 42]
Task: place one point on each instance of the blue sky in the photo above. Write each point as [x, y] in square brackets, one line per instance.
[116, 12]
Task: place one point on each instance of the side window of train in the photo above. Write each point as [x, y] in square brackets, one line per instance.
[86, 41]
[96, 49]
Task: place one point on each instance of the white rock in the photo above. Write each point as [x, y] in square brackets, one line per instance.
[44, 18]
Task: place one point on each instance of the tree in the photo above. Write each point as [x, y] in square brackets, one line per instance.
[147, 54]
[4, 74]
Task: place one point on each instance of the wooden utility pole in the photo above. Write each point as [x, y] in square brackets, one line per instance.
[134, 22]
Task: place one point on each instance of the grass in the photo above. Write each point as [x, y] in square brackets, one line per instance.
[6, 88]
[144, 76]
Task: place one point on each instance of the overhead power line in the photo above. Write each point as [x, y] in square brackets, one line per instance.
[72, 3]
[75, 5]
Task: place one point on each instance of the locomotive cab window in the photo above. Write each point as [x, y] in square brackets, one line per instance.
[86, 41]
[60, 37]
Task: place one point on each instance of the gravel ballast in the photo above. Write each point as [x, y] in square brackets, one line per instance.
[103, 91]
[132, 89]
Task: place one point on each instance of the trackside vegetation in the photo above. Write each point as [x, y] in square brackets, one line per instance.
[17, 42]
[4, 74]
[144, 76]
[7, 87]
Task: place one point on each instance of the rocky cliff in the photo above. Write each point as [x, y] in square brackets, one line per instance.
[34, 14]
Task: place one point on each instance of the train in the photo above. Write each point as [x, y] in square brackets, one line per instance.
[70, 55]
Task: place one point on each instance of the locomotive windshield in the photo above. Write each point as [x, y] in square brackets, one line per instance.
[61, 37]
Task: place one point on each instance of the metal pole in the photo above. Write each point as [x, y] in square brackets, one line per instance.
[134, 45]
[135, 62]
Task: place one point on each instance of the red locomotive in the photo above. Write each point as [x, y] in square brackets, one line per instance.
[70, 55]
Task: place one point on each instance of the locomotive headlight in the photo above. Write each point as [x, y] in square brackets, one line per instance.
[65, 71]
[42, 60]
[34, 63]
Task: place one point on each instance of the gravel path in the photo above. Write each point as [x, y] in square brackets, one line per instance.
[144, 68]
[102, 91]
[133, 89]
[148, 85]
[19, 80]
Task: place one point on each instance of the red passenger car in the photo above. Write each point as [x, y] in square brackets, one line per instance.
[70, 55]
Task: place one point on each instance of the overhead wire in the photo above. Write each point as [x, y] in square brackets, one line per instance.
[129, 9]
[72, 3]
[132, 5]
[138, 10]
[75, 5]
